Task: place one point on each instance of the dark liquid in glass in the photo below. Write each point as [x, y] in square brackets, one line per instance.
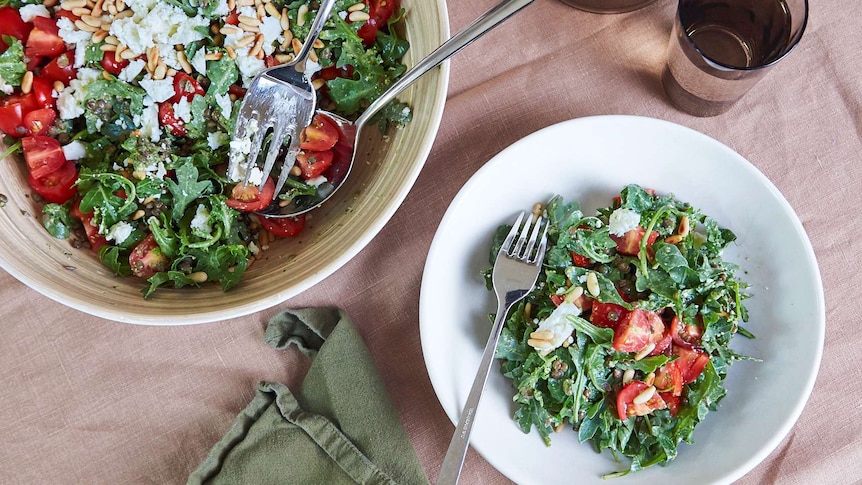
[738, 33]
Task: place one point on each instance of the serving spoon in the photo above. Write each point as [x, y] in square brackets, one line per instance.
[350, 131]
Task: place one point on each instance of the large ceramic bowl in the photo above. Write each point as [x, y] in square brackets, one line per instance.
[336, 233]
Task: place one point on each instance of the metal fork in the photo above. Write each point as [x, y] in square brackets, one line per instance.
[515, 273]
[280, 100]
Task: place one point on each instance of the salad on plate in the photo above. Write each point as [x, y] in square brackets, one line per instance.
[625, 338]
[123, 110]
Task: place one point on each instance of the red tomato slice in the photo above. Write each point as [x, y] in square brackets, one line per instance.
[12, 118]
[690, 363]
[579, 260]
[62, 68]
[638, 329]
[313, 164]
[170, 120]
[43, 93]
[662, 344]
[283, 226]
[110, 63]
[626, 406]
[629, 243]
[672, 402]
[43, 155]
[11, 24]
[669, 379]
[58, 186]
[607, 315]
[320, 135]
[96, 240]
[147, 258]
[44, 39]
[685, 335]
[380, 11]
[37, 122]
[186, 86]
[251, 198]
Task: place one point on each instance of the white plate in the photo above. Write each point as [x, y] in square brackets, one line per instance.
[590, 160]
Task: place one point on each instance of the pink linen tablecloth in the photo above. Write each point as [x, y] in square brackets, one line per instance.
[92, 401]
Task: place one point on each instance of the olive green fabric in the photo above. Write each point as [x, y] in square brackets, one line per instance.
[340, 428]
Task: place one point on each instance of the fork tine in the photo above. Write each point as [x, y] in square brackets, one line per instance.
[522, 239]
[289, 161]
[253, 153]
[278, 136]
[507, 243]
[534, 235]
[543, 245]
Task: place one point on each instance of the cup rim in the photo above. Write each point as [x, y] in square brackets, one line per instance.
[719, 65]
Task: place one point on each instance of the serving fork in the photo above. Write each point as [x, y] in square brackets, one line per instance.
[279, 102]
[516, 270]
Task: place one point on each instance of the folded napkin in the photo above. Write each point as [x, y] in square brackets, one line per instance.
[340, 428]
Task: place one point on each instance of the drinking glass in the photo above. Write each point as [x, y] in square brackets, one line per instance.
[608, 6]
[719, 49]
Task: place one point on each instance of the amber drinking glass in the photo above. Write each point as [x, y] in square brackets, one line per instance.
[719, 49]
[608, 6]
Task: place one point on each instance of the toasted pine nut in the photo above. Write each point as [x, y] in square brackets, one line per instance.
[288, 38]
[81, 11]
[228, 30]
[272, 11]
[297, 46]
[230, 52]
[160, 72]
[650, 378]
[27, 82]
[112, 40]
[245, 40]
[645, 396]
[285, 20]
[99, 36]
[112, 9]
[645, 351]
[628, 375]
[282, 58]
[70, 4]
[92, 21]
[542, 334]
[107, 47]
[317, 44]
[184, 62]
[318, 84]
[356, 7]
[258, 45]
[85, 27]
[97, 9]
[198, 276]
[261, 11]
[358, 16]
[231, 5]
[59, 86]
[312, 56]
[593, 284]
[123, 14]
[684, 227]
[138, 214]
[300, 15]
[128, 55]
[673, 239]
[213, 56]
[245, 19]
[50, 3]
[106, 75]
[249, 28]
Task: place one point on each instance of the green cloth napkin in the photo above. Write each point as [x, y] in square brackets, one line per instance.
[340, 428]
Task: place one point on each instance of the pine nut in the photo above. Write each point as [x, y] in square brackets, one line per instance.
[107, 47]
[171, 72]
[81, 11]
[317, 44]
[249, 28]
[245, 40]
[121, 5]
[128, 55]
[138, 214]
[542, 334]
[106, 75]
[673, 239]
[184, 62]
[645, 396]
[650, 378]
[59, 86]
[259, 55]
[245, 3]
[258, 45]
[112, 9]
[228, 30]
[593, 284]
[296, 172]
[684, 226]
[198, 276]
[230, 52]
[288, 38]
[91, 21]
[282, 58]
[300, 15]
[231, 5]
[297, 46]
[97, 9]
[356, 7]
[86, 27]
[272, 11]
[645, 351]
[628, 376]
[99, 36]
[160, 72]
[573, 295]
[213, 56]
[112, 40]
[261, 11]
[318, 83]
[70, 4]
[27, 82]
[123, 14]
[50, 3]
[312, 56]
[285, 20]
[245, 19]
[358, 16]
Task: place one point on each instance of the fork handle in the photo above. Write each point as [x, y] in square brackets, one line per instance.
[478, 28]
[450, 470]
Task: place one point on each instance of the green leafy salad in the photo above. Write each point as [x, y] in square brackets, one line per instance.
[123, 111]
[626, 337]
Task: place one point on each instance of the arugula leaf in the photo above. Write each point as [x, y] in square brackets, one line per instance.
[58, 220]
[12, 65]
[186, 189]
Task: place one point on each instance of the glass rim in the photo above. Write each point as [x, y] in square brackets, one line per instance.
[726, 67]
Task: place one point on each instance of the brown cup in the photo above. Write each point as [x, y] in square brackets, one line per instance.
[719, 49]
[608, 6]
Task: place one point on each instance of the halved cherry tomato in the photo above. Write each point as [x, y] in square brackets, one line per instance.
[320, 135]
[672, 402]
[43, 93]
[251, 198]
[11, 24]
[332, 72]
[33, 62]
[58, 186]
[380, 11]
[62, 68]
[110, 63]
[186, 86]
[607, 315]
[170, 120]
[662, 344]
[669, 379]
[690, 362]
[685, 335]
[44, 39]
[12, 110]
[313, 164]
[579, 260]
[283, 226]
[638, 329]
[583, 302]
[629, 243]
[96, 240]
[37, 122]
[148, 259]
[43, 155]
[626, 406]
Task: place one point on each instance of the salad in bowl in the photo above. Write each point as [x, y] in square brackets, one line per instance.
[122, 112]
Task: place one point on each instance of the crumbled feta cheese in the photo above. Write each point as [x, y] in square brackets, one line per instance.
[159, 90]
[155, 170]
[69, 33]
[119, 232]
[201, 221]
[183, 109]
[130, 72]
[241, 147]
[558, 326]
[250, 66]
[74, 150]
[81, 53]
[225, 105]
[149, 120]
[6, 88]
[221, 8]
[311, 68]
[199, 61]
[29, 12]
[271, 29]
[217, 140]
[161, 23]
[622, 221]
[316, 181]
[70, 102]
